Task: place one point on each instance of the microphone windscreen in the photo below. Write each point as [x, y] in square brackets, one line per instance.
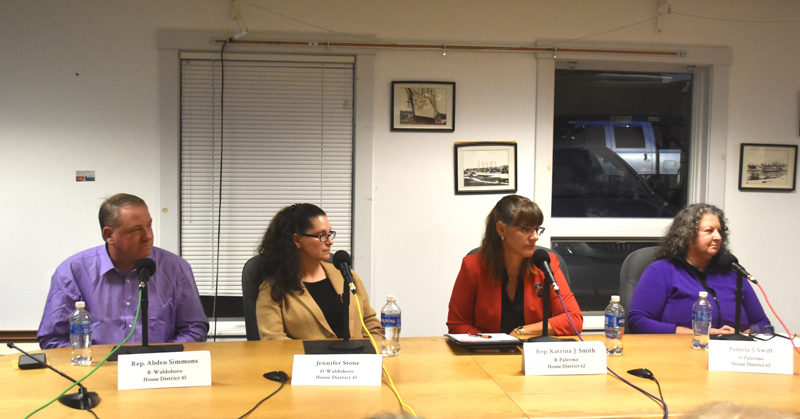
[726, 259]
[540, 256]
[145, 265]
[642, 373]
[341, 258]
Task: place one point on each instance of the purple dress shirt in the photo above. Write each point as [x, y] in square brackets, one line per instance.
[664, 296]
[111, 296]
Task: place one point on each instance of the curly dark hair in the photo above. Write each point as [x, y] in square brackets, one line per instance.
[280, 260]
[683, 231]
[512, 210]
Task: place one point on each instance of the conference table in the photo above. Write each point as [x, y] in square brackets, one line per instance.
[435, 377]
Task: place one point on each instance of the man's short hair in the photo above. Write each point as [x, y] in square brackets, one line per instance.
[109, 209]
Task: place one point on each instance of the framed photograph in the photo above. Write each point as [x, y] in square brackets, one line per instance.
[485, 167]
[767, 167]
[423, 106]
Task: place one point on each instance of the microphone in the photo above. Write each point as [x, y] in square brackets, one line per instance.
[146, 268]
[342, 261]
[83, 399]
[642, 373]
[541, 259]
[728, 261]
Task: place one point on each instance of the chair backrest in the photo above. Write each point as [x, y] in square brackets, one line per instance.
[631, 270]
[251, 279]
[561, 263]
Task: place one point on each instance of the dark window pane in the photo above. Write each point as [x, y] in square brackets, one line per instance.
[594, 266]
[621, 143]
[628, 136]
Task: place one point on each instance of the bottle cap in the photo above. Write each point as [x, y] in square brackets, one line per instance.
[703, 294]
[80, 304]
[615, 298]
[390, 297]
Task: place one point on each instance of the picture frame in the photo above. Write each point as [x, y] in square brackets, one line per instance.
[423, 106]
[767, 167]
[485, 167]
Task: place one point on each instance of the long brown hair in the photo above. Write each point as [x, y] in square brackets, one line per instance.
[281, 260]
[511, 210]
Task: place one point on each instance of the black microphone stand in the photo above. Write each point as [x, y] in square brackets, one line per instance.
[546, 311]
[83, 399]
[346, 345]
[737, 335]
[145, 348]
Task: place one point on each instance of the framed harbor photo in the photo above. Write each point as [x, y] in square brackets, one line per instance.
[423, 106]
[767, 167]
[485, 167]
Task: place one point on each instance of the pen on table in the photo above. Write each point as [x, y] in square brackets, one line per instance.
[478, 335]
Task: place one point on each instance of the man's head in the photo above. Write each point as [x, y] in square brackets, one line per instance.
[127, 229]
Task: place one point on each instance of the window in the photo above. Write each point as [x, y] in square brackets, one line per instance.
[283, 134]
[622, 143]
[601, 95]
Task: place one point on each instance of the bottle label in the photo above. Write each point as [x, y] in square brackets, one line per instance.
[702, 316]
[390, 320]
[614, 321]
[80, 328]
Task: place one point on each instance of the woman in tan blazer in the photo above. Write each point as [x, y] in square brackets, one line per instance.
[300, 295]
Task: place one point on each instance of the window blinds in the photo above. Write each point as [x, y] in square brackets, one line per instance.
[287, 138]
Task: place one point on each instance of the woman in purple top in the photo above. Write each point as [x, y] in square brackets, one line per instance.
[685, 265]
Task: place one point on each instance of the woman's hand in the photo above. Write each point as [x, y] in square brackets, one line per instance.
[724, 330]
[533, 329]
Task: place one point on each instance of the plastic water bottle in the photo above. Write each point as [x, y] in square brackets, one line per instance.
[80, 335]
[701, 321]
[615, 326]
[390, 320]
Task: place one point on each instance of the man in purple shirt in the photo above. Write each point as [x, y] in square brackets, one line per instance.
[104, 277]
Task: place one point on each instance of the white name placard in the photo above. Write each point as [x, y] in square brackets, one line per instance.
[164, 369]
[337, 370]
[771, 357]
[567, 358]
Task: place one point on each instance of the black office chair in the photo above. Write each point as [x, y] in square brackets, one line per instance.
[251, 279]
[561, 263]
[631, 270]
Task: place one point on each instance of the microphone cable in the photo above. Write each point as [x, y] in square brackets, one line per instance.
[377, 351]
[263, 400]
[791, 339]
[135, 318]
[219, 193]
[658, 400]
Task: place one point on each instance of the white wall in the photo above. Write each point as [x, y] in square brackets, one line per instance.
[109, 118]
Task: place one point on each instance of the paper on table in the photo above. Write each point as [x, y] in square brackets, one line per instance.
[491, 338]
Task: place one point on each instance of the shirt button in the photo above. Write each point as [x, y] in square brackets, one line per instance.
[127, 303]
[129, 326]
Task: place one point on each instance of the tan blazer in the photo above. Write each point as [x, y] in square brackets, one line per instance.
[298, 316]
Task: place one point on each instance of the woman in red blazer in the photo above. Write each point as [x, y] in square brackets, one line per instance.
[496, 289]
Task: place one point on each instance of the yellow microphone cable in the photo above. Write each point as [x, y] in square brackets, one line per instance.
[377, 351]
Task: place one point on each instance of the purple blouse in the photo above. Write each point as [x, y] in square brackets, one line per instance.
[175, 312]
[664, 296]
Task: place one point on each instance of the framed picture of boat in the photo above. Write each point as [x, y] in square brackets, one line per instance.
[423, 106]
[485, 167]
[767, 167]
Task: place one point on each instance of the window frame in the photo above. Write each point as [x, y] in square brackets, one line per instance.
[710, 66]
[166, 212]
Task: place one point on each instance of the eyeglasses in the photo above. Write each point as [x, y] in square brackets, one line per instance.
[530, 230]
[323, 237]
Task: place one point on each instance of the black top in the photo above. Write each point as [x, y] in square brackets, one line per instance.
[329, 302]
[512, 313]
